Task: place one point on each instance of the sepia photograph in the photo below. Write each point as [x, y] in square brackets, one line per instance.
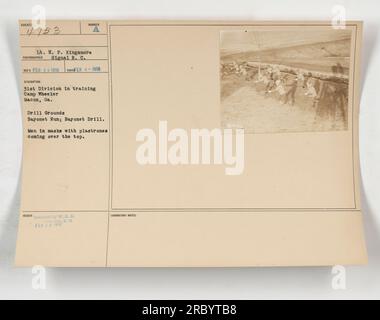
[285, 80]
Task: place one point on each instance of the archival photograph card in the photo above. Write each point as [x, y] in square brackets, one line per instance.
[190, 144]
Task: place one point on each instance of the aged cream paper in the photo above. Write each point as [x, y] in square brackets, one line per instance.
[89, 87]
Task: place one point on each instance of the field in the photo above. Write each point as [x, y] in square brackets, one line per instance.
[287, 89]
[245, 105]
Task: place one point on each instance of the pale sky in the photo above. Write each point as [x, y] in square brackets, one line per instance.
[233, 41]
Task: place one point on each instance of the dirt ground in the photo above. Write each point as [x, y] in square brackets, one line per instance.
[246, 105]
